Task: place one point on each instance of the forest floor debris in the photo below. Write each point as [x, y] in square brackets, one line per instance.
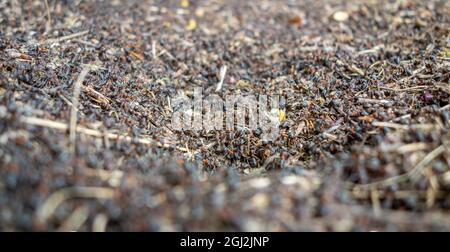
[86, 92]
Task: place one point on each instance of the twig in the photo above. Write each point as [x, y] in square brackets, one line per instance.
[94, 133]
[66, 100]
[356, 70]
[164, 51]
[446, 177]
[365, 100]
[76, 220]
[47, 6]
[374, 50]
[403, 127]
[94, 67]
[86, 43]
[414, 73]
[96, 96]
[330, 136]
[408, 116]
[112, 177]
[73, 112]
[57, 198]
[71, 36]
[412, 147]
[100, 223]
[418, 88]
[399, 194]
[375, 198]
[413, 174]
[390, 125]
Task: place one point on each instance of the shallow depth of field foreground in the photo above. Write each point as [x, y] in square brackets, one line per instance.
[87, 94]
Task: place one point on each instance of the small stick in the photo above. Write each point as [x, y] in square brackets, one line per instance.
[57, 198]
[374, 50]
[76, 220]
[47, 6]
[96, 96]
[403, 127]
[71, 36]
[399, 194]
[90, 132]
[445, 177]
[330, 136]
[100, 223]
[414, 73]
[112, 177]
[356, 70]
[412, 147]
[418, 88]
[94, 67]
[390, 125]
[375, 198]
[73, 112]
[407, 116]
[413, 174]
[164, 51]
[432, 190]
[364, 100]
[86, 43]
[66, 100]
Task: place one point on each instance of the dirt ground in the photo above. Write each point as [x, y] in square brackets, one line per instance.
[85, 100]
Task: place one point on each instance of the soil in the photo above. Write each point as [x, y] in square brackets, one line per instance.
[85, 104]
